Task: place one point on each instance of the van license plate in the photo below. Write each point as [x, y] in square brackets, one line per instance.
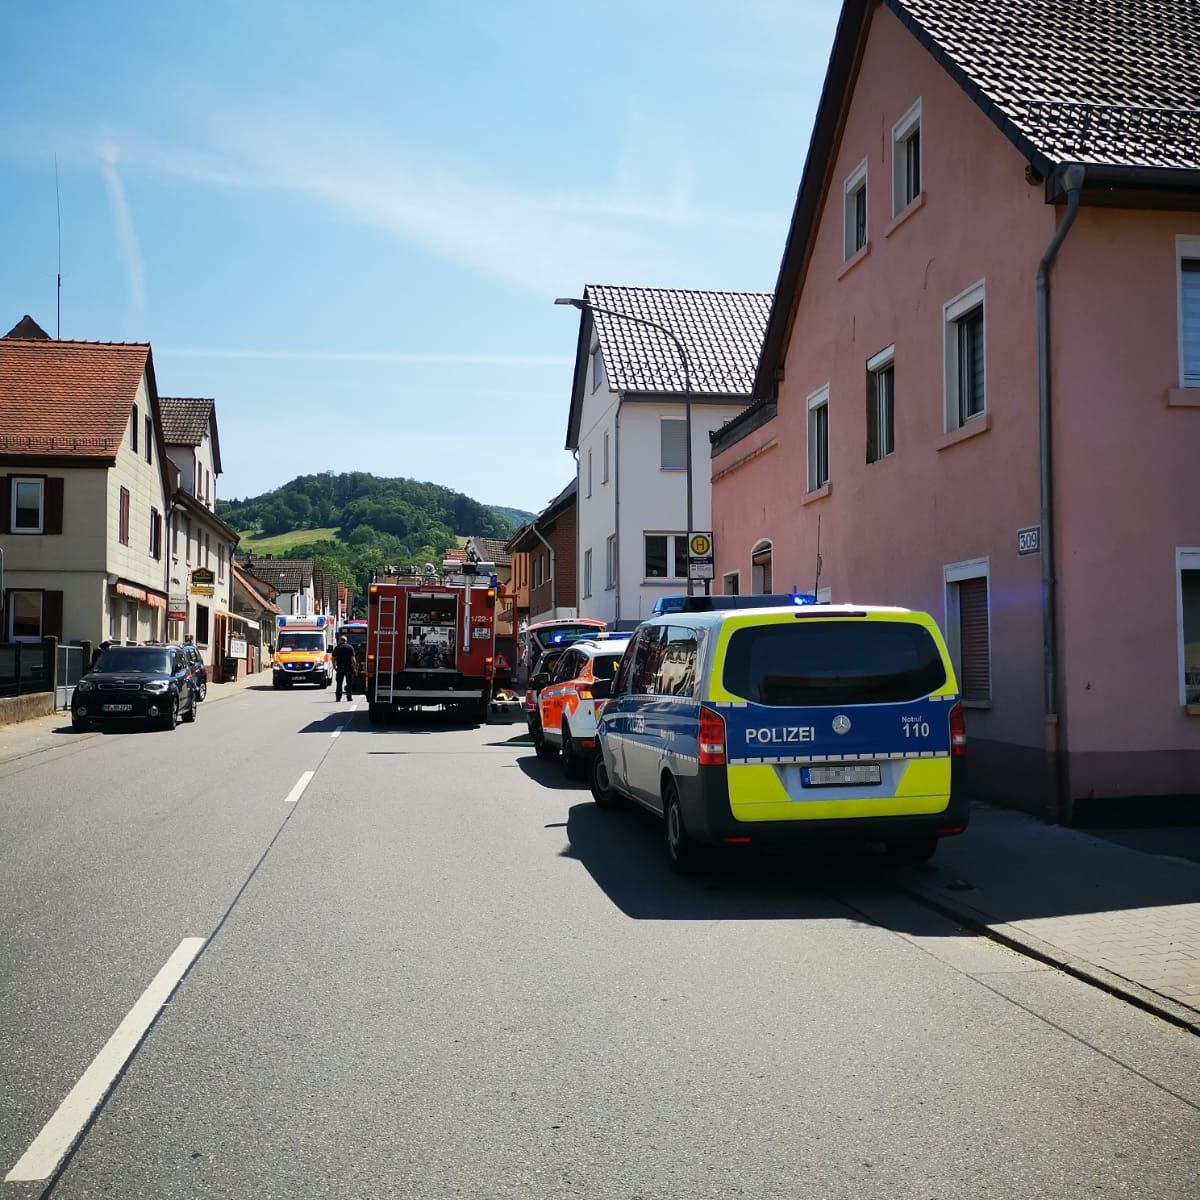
[840, 775]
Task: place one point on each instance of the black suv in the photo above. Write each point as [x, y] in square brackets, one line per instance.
[197, 669]
[136, 683]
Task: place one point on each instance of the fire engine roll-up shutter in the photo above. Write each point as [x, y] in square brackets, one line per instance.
[976, 682]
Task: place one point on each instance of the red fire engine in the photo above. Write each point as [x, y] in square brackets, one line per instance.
[431, 639]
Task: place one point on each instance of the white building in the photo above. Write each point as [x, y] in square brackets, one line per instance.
[634, 384]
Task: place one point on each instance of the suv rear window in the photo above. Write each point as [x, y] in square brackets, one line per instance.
[833, 663]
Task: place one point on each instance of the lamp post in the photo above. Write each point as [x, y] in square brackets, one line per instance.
[588, 306]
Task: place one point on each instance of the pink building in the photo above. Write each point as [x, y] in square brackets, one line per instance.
[985, 180]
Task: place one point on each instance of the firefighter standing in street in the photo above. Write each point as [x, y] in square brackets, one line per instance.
[345, 663]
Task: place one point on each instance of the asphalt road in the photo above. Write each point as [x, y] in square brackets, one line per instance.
[439, 971]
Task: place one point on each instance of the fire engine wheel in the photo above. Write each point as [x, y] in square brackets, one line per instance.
[574, 766]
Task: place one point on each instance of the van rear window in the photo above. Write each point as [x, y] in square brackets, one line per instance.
[833, 662]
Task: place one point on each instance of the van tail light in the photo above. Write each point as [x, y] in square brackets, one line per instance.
[712, 738]
[958, 732]
[583, 691]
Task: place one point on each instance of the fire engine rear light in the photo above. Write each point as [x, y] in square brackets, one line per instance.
[958, 732]
[712, 739]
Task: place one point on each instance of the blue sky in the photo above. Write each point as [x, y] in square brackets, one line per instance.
[348, 223]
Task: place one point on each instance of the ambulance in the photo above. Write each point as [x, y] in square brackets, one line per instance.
[303, 651]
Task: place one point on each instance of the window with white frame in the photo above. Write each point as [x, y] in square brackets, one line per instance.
[673, 441]
[855, 201]
[587, 572]
[665, 556]
[604, 460]
[25, 616]
[597, 367]
[906, 159]
[968, 627]
[610, 561]
[881, 411]
[818, 439]
[27, 511]
[964, 343]
[589, 473]
[1187, 581]
[1189, 311]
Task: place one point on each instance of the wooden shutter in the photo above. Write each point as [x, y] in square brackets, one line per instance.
[5, 497]
[976, 682]
[53, 522]
[52, 614]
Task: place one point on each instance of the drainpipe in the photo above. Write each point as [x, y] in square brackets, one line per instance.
[553, 600]
[1072, 178]
[616, 477]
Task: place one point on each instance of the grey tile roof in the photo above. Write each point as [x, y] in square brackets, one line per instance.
[284, 574]
[490, 550]
[1108, 82]
[721, 332]
[185, 420]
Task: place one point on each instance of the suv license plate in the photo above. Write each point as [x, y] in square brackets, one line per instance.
[118, 708]
[850, 773]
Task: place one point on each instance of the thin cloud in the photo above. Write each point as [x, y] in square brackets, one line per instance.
[368, 356]
[124, 231]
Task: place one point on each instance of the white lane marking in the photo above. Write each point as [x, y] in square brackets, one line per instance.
[58, 1135]
[298, 790]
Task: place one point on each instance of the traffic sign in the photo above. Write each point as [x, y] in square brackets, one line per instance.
[700, 556]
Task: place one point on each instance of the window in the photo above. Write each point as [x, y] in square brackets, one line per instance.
[676, 675]
[818, 439]
[855, 191]
[673, 441]
[964, 349]
[610, 561]
[206, 548]
[123, 531]
[881, 417]
[1189, 312]
[589, 473]
[187, 540]
[28, 500]
[597, 367]
[221, 561]
[1187, 574]
[666, 556]
[155, 533]
[175, 534]
[906, 159]
[587, 572]
[133, 429]
[201, 625]
[761, 583]
[968, 627]
[149, 431]
[731, 584]
[604, 460]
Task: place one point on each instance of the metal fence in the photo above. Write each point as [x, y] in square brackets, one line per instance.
[26, 668]
[68, 667]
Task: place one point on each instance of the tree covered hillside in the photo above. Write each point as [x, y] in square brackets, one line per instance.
[376, 521]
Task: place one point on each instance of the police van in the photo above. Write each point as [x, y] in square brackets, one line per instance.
[814, 725]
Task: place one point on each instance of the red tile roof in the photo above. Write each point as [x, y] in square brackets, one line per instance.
[68, 399]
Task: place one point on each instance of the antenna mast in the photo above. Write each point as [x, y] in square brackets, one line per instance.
[817, 581]
[58, 208]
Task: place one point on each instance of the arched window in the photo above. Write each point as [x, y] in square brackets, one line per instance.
[760, 568]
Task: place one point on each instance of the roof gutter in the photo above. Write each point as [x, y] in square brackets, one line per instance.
[1072, 180]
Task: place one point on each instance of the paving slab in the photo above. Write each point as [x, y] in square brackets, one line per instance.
[1123, 918]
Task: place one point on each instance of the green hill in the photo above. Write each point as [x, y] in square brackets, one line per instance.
[356, 522]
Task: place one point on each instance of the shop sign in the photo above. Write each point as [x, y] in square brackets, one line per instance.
[203, 582]
[237, 647]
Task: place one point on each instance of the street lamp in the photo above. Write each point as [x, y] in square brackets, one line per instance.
[588, 306]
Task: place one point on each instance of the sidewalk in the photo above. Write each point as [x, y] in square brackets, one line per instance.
[1121, 918]
[1125, 919]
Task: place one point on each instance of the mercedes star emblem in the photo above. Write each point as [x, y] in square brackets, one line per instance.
[841, 724]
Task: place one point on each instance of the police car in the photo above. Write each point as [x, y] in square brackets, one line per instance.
[812, 725]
